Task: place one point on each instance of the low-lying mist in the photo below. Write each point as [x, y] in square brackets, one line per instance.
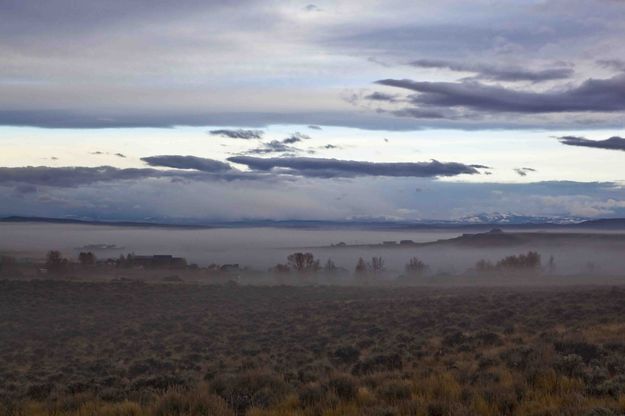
[262, 248]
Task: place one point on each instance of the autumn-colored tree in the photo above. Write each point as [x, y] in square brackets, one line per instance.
[361, 267]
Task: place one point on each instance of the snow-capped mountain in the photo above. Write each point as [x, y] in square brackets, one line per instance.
[512, 218]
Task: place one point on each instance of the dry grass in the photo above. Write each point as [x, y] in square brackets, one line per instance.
[79, 349]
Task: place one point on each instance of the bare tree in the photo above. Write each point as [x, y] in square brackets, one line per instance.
[303, 263]
[377, 265]
[55, 263]
[86, 258]
[416, 267]
[330, 267]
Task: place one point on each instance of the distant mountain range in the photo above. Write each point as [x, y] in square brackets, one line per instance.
[510, 218]
[479, 221]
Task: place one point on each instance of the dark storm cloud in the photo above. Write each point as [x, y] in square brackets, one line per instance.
[239, 134]
[498, 73]
[329, 168]
[187, 162]
[613, 143]
[593, 95]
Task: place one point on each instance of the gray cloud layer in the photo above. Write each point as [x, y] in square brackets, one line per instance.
[78, 176]
[187, 162]
[238, 134]
[329, 168]
[593, 95]
[498, 73]
[274, 146]
[237, 64]
[613, 143]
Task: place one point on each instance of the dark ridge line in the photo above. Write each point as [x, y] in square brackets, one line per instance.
[604, 223]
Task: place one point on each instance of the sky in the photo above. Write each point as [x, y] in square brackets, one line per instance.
[213, 110]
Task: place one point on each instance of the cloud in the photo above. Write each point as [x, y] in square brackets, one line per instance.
[616, 64]
[238, 134]
[380, 96]
[121, 155]
[593, 95]
[187, 162]
[295, 137]
[73, 176]
[274, 146]
[312, 8]
[524, 171]
[25, 189]
[613, 143]
[498, 73]
[330, 168]
[236, 64]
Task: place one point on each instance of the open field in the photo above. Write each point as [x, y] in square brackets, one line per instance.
[69, 348]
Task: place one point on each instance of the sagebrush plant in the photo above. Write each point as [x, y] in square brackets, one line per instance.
[86, 349]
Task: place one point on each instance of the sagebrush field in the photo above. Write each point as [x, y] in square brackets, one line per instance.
[69, 348]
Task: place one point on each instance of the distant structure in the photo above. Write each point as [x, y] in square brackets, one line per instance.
[158, 261]
[406, 242]
[230, 268]
[389, 243]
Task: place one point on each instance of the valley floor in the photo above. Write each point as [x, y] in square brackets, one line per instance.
[71, 348]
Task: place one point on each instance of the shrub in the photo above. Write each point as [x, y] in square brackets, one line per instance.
[395, 390]
[571, 365]
[253, 389]
[521, 357]
[585, 350]
[182, 403]
[378, 363]
[311, 395]
[343, 386]
[347, 354]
